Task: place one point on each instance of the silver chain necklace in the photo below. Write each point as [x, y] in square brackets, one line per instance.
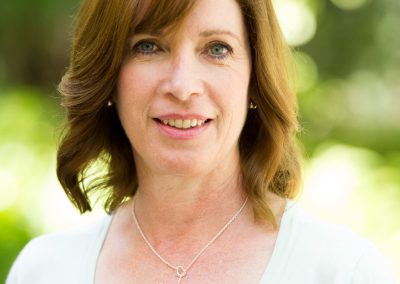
[180, 270]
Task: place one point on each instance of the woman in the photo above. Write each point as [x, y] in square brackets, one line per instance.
[184, 109]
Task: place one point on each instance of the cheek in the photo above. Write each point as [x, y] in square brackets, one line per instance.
[238, 98]
[232, 91]
[231, 102]
[131, 99]
[135, 92]
[131, 82]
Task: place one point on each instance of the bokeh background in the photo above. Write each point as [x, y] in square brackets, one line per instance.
[347, 55]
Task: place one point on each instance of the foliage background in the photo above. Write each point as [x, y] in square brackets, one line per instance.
[347, 56]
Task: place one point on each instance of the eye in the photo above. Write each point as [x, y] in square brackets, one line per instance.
[219, 50]
[145, 47]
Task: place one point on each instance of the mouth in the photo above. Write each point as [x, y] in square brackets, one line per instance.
[183, 124]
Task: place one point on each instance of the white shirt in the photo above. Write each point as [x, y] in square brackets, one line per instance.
[307, 251]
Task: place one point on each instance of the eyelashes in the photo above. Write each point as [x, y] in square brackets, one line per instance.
[215, 50]
[145, 47]
[218, 50]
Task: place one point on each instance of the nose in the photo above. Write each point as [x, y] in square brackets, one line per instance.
[183, 78]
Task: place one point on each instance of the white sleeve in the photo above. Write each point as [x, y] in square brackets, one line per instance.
[28, 266]
[373, 268]
[12, 277]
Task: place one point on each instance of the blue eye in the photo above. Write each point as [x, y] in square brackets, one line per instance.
[219, 50]
[145, 47]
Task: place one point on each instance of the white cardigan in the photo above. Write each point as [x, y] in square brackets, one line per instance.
[307, 251]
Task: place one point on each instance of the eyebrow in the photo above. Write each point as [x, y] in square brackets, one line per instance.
[205, 33]
[208, 33]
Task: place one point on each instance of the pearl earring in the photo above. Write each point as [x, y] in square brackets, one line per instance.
[252, 105]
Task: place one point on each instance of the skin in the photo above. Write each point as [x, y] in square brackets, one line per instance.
[189, 187]
[182, 75]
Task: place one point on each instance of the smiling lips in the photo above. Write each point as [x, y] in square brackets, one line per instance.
[184, 123]
[182, 127]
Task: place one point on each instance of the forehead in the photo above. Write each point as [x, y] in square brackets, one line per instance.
[220, 14]
[158, 16]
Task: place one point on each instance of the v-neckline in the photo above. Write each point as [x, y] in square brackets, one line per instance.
[267, 277]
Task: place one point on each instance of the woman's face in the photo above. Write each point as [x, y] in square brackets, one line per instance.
[182, 95]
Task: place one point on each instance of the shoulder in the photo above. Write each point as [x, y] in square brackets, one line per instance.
[317, 234]
[51, 257]
[330, 253]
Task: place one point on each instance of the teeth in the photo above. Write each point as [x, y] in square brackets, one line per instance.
[178, 123]
[185, 124]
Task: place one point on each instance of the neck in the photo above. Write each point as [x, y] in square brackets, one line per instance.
[179, 216]
[180, 212]
[178, 207]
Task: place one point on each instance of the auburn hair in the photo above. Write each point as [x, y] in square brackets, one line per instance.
[93, 137]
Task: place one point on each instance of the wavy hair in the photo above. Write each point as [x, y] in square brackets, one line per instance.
[93, 133]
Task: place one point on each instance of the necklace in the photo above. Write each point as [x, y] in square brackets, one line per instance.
[180, 270]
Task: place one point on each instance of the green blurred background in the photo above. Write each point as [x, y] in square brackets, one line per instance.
[347, 56]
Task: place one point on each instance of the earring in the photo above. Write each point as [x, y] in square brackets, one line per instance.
[252, 105]
[109, 103]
